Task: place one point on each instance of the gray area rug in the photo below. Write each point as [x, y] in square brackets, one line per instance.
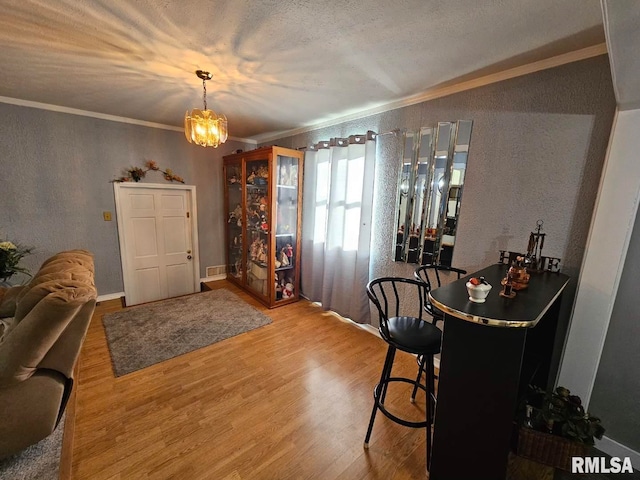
[37, 462]
[148, 334]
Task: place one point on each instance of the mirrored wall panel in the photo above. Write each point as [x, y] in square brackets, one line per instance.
[432, 172]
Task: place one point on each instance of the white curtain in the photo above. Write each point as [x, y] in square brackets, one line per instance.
[336, 224]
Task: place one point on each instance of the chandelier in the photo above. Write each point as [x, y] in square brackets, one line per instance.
[205, 127]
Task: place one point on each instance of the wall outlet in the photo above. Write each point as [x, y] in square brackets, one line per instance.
[106, 216]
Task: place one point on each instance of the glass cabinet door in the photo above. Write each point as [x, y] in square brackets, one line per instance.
[286, 222]
[257, 225]
[233, 180]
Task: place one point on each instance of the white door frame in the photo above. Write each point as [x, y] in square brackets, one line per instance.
[119, 191]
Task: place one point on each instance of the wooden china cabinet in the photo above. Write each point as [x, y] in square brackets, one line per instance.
[263, 201]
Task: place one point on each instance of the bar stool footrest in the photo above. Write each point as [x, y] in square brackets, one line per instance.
[377, 391]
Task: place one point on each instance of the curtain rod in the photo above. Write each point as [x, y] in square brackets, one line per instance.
[395, 132]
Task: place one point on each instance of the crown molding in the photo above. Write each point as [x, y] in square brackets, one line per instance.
[445, 90]
[430, 94]
[103, 116]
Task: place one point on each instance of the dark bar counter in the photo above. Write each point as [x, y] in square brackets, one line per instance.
[490, 352]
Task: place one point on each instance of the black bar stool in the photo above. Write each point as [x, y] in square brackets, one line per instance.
[431, 276]
[394, 296]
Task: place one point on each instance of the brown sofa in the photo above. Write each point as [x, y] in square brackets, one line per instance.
[39, 347]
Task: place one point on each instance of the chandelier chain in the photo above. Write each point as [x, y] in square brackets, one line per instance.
[204, 95]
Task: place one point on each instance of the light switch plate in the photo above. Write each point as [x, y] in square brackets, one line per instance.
[106, 216]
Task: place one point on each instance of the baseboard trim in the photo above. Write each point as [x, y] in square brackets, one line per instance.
[117, 295]
[110, 296]
[214, 278]
[616, 449]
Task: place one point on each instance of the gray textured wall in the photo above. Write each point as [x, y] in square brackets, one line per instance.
[616, 391]
[54, 184]
[537, 150]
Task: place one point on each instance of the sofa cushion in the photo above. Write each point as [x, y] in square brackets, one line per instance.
[63, 264]
[85, 255]
[72, 265]
[72, 272]
[76, 257]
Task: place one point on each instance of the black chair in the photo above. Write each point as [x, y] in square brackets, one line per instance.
[394, 296]
[431, 275]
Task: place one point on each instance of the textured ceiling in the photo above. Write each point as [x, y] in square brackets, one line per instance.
[278, 64]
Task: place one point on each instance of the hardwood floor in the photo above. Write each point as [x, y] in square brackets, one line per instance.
[288, 400]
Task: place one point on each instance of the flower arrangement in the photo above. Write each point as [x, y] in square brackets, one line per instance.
[10, 256]
[137, 173]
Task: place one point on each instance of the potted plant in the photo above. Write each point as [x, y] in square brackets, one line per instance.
[10, 256]
[556, 427]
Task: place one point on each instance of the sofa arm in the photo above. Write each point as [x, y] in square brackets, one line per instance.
[29, 342]
[8, 298]
[63, 355]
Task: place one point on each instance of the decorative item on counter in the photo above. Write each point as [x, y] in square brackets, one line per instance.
[507, 289]
[518, 273]
[478, 289]
[534, 248]
[534, 261]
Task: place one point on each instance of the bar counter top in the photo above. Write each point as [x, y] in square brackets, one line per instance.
[523, 311]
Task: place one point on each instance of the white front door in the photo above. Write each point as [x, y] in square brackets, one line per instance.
[156, 229]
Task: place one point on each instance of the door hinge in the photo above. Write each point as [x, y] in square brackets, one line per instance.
[188, 215]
